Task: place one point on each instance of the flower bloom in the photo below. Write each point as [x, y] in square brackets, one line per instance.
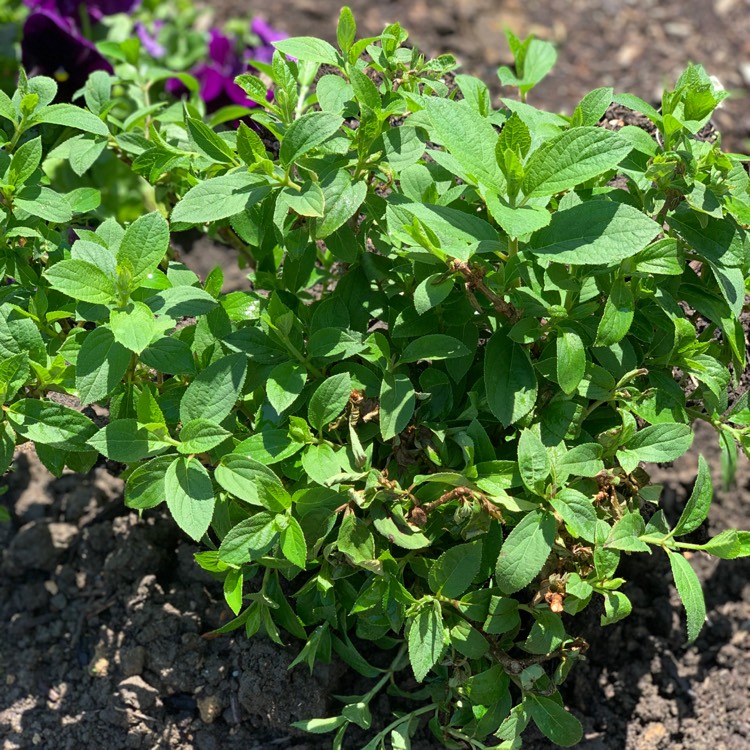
[216, 75]
[71, 9]
[52, 46]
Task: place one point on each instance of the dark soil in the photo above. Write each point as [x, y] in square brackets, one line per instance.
[102, 613]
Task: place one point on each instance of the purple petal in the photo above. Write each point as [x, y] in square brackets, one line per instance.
[262, 54]
[237, 95]
[110, 7]
[149, 42]
[211, 81]
[266, 32]
[219, 48]
[52, 47]
[72, 8]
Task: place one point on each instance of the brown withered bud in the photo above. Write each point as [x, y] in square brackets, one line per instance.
[555, 602]
[418, 517]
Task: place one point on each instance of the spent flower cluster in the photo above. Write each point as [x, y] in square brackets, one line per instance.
[426, 428]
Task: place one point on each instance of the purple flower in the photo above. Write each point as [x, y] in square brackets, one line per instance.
[96, 9]
[216, 75]
[266, 34]
[148, 40]
[52, 46]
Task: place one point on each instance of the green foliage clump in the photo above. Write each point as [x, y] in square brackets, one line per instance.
[424, 427]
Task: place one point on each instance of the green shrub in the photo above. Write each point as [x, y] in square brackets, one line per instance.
[424, 427]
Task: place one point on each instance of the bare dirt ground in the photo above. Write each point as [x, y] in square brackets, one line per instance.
[102, 613]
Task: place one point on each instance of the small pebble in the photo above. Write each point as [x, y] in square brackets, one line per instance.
[51, 587]
[210, 708]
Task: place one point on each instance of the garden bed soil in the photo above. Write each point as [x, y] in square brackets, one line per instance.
[103, 614]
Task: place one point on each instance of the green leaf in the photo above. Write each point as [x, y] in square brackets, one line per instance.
[329, 400]
[546, 634]
[433, 346]
[594, 233]
[200, 435]
[691, 594]
[516, 221]
[553, 721]
[293, 545]
[617, 316]
[467, 640]
[249, 145]
[182, 302]
[533, 461]
[126, 441]
[398, 533]
[509, 379]
[233, 585]
[215, 391]
[592, 107]
[52, 424]
[145, 486]
[515, 136]
[577, 512]
[269, 447]
[169, 355]
[617, 607]
[469, 137]
[525, 551]
[573, 157]
[72, 117]
[658, 442]
[571, 360]
[397, 399]
[310, 201]
[190, 496]
[19, 335]
[533, 58]
[334, 343]
[453, 572]
[143, 246]
[426, 639]
[101, 365]
[14, 370]
[249, 539]
[625, 534]
[431, 292]
[252, 482]
[220, 197]
[342, 201]
[7, 110]
[25, 160]
[309, 49]
[346, 31]
[729, 545]
[44, 203]
[306, 133]
[697, 507]
[285, 384]
[134, 327]
[321, 463]
[355, 540]
[7, 449]
[82, 281]
[320, 726]
[209, 143]
[84, 151]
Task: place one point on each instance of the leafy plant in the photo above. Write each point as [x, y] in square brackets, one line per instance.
[423, 430]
